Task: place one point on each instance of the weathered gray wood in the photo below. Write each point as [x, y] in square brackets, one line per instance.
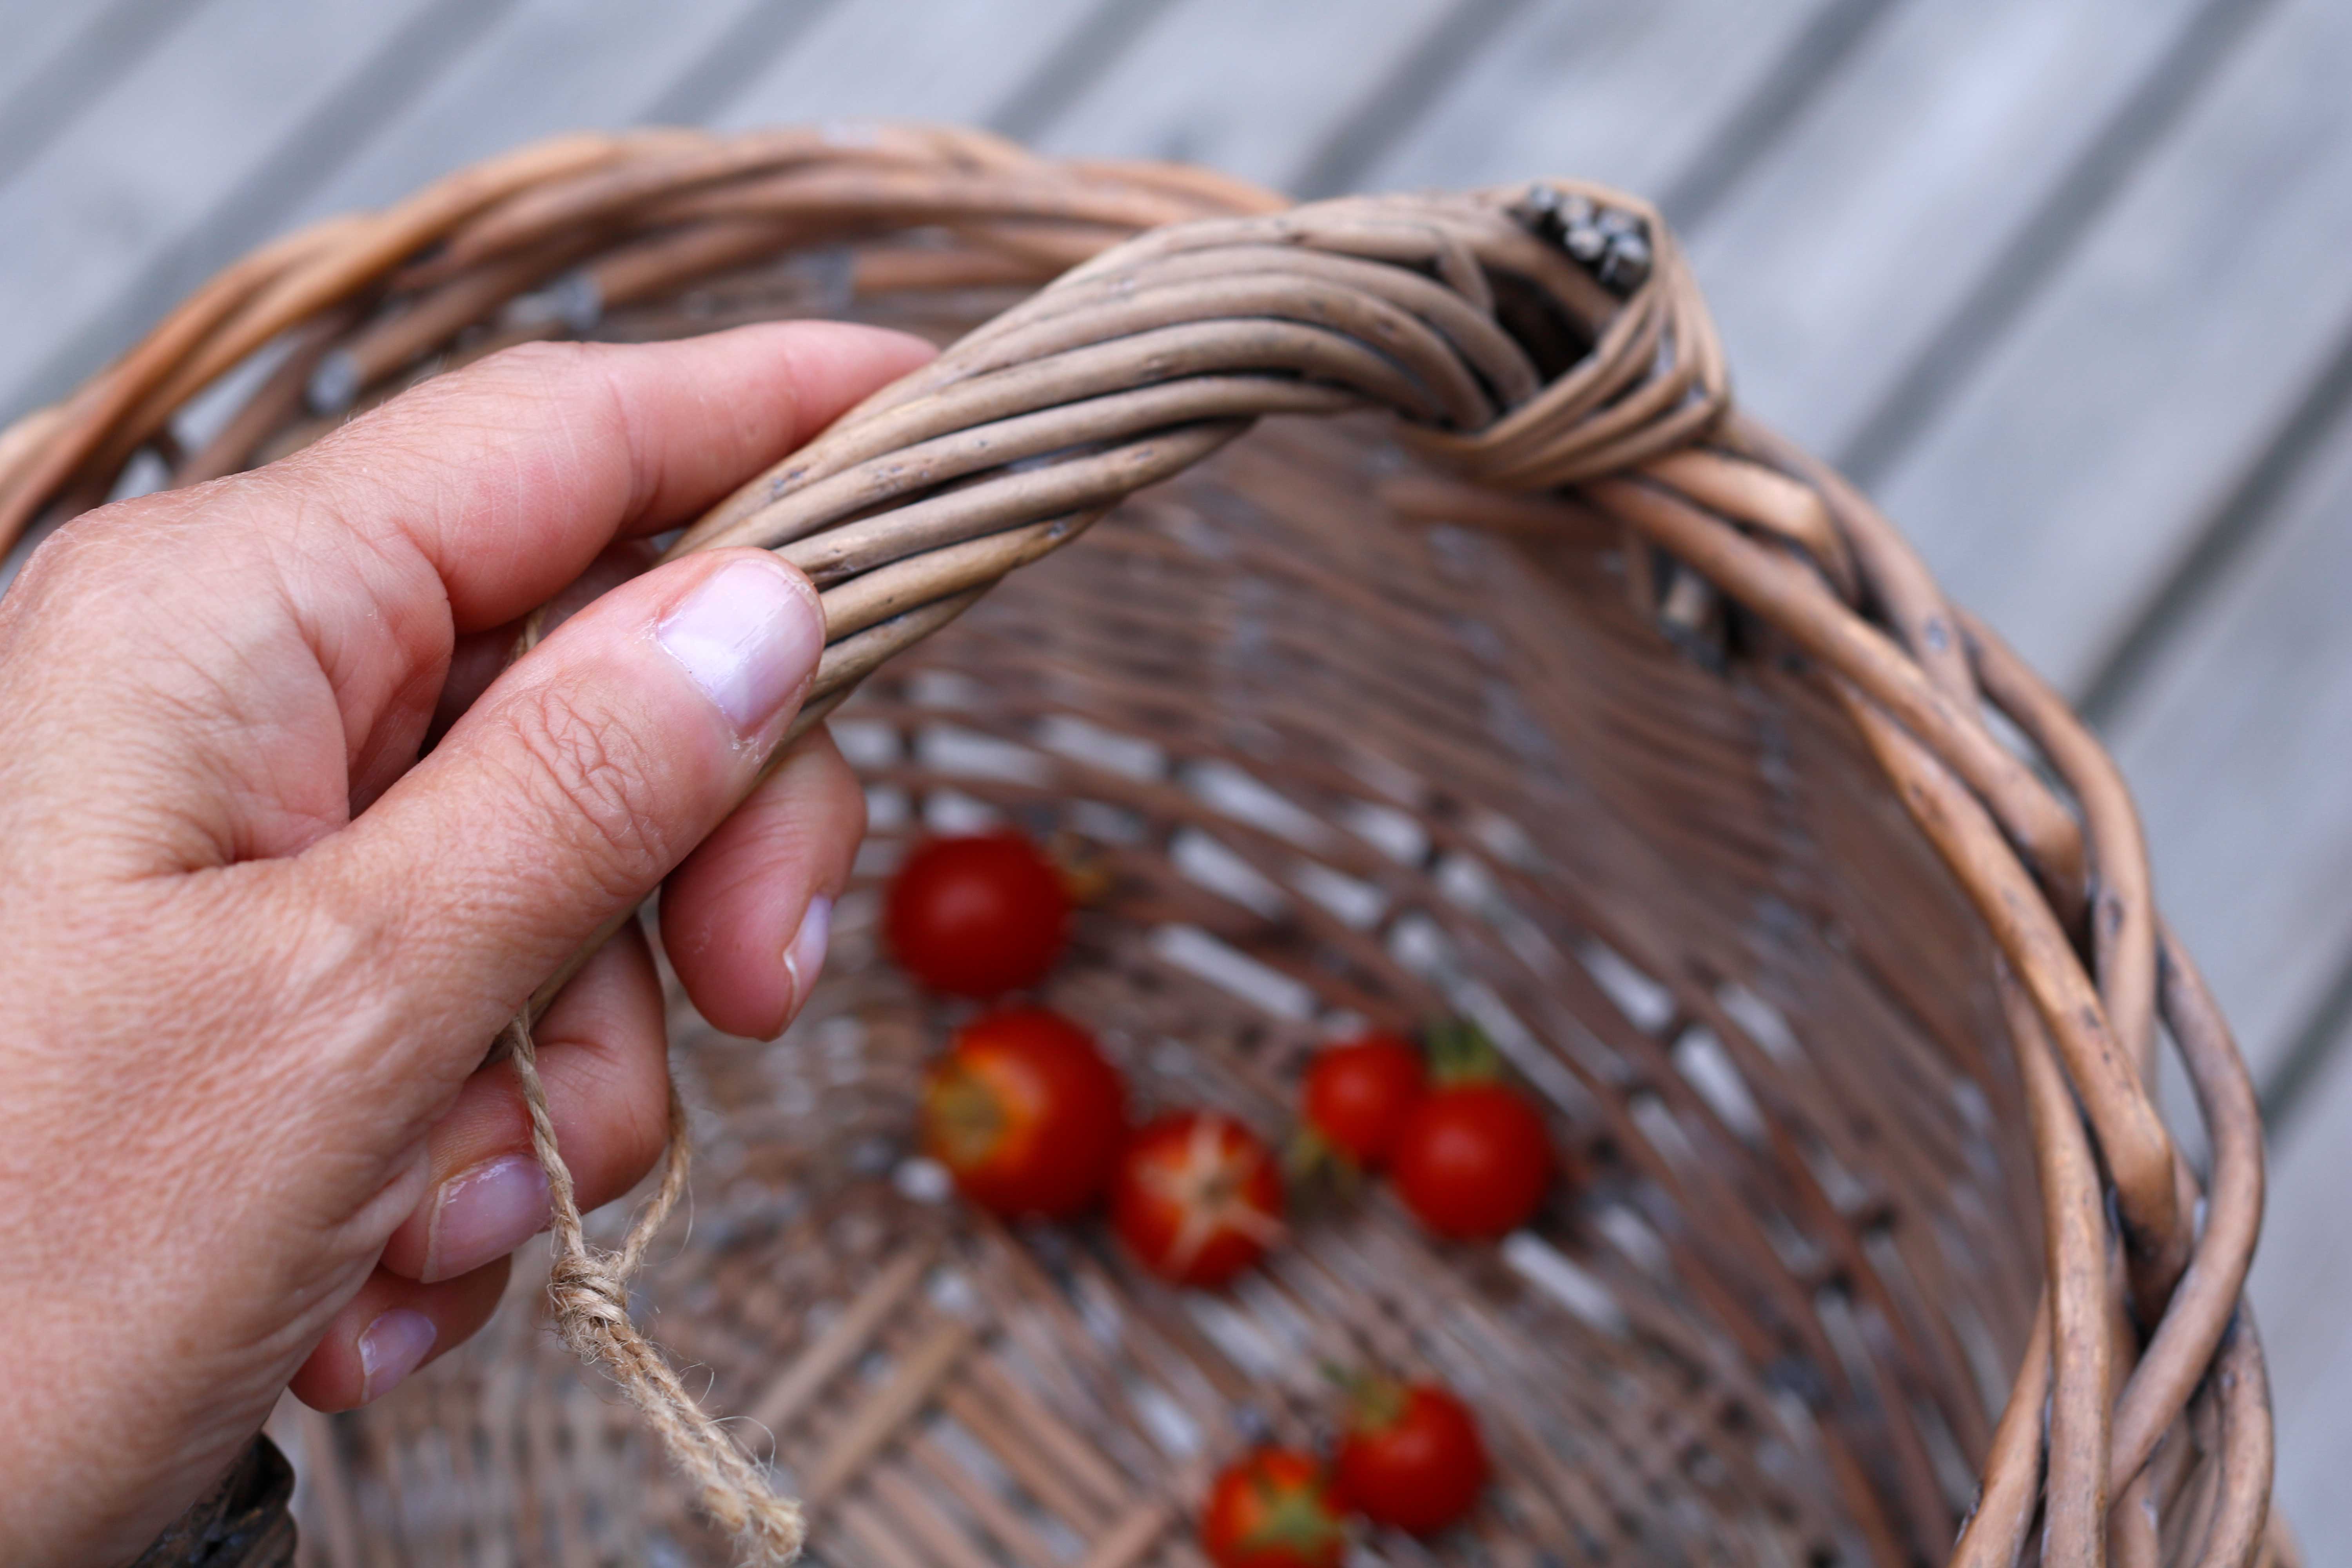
[2240, 747]
[550, 66]
[2303, 1279]
[947, 61]
[37, 33]
[58, 57]
[1628, 94]
[1245, 86]
[1831, 264]
[147, 162]
[2063, 482]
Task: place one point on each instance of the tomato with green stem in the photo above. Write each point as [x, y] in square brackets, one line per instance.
[1412, 1458]
[1025, 1114]
[1473, 1161]
[1273, 1509]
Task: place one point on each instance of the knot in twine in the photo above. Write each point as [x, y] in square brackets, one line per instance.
[589, 1290]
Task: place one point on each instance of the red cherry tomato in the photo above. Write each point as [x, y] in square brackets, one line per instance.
[1473, 1161]
[1025, 1114]
[1273, 1509]
[1197, 1198]
[1413, 1458]
[977, 916]
[1357, 1096]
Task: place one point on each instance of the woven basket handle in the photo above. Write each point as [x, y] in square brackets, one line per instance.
[1139, 364]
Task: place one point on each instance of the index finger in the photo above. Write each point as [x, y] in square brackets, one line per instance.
[507, 477]
[319, 599]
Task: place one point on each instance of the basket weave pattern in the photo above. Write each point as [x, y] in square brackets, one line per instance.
[1566, 699]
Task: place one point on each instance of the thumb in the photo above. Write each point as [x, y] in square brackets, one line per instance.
[581, 778]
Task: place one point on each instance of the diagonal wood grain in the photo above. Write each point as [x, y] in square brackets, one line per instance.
[2065, 479]
[549, 66]
[61, 58]
[920, 59]
[1627, 94]
[186, 161]
[2240, 747]
[1831, 264]
[1241, 85]
[2303, 1277]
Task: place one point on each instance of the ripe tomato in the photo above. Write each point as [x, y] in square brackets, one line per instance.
[1198, 1197]
[1025, 1114]
[1273, 1509]
[1413, 1456]
[977, 916]
[1357, 1097]
[1473, 1161]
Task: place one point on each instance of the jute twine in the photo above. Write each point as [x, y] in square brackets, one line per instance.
[588, 1290]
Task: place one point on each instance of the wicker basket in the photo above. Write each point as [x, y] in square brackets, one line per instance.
[1506, 671]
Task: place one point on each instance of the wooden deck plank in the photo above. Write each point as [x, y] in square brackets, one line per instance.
[946, 60]
[1244, 85]
[2240, 746]
[59, 58]
[1627, 94]
[104, 217]
[550, 66]
[2072, 472]
[2303, 1277]
[37, 33]
[1832, 263]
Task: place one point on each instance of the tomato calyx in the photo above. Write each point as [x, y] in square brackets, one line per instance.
[1376, 1403]
[1207, 1186]
[1025, 1113]
[1461, 1052]
[965, 1114]
[1310, 1156]
[1084, 868]
[1295, 1518]
[1274, 1507]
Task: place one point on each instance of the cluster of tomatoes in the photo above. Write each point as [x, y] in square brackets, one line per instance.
[1465, 1152]
[1030, 1120]
[1410, 1457]
[1024, 1110]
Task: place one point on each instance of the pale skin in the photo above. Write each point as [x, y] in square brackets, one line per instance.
[253, 949]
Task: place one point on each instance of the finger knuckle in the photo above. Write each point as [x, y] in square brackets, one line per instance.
[544, 358]
[90, 558]
[595, 784]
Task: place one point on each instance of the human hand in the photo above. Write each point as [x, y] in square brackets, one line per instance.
[252, 950]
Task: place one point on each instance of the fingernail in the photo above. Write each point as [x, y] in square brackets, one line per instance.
[482, 1214]
[390, 1348]
[805, 956]
[749, 637]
